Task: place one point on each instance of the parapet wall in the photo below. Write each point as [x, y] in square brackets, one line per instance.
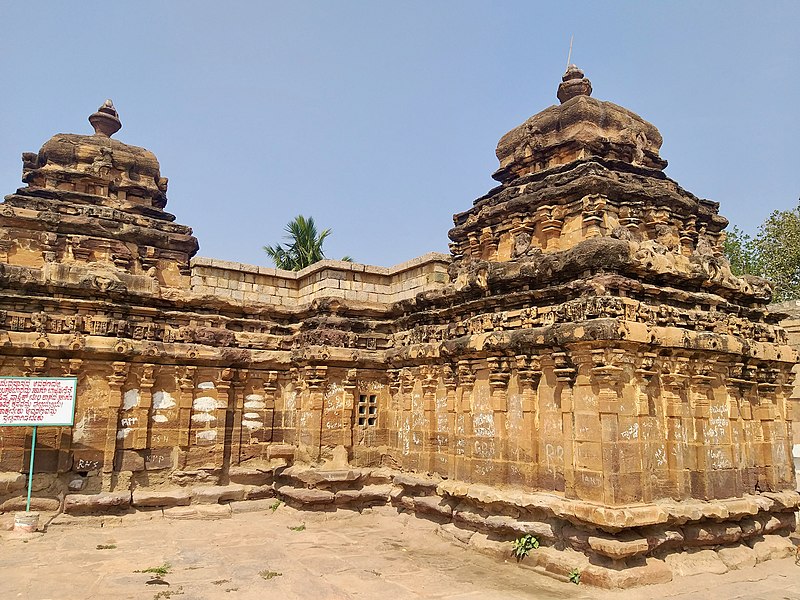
[250, 284]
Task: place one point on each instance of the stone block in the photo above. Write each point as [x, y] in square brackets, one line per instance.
[769, 547]
[711, 534]
[695, 562]
[450, 531]
[484, 544]
[433, 505]
[741, 556]
[38, 504]
[258, 492]
[654, 571]
[419, 482]
[209, 511]
[129, 460]
[93, 503]
[217, 493]
[11, 482]
[265, 505]
[618, 548]
[250, 475]
[367, 494]
[306, 496]
[174, 497]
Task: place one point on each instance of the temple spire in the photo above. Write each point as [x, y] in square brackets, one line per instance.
[573, 83]
[106, 120]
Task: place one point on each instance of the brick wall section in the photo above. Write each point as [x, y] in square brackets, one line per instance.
[251, 284]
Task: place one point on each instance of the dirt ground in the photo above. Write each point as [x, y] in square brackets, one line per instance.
[287, 554]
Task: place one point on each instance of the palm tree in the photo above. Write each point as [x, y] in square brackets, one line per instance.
[305, 247]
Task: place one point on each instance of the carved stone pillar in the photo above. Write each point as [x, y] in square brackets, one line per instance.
[655, 470]
[138, 419]
[116, 382]
[550, 223]
[235, 416]
[673, 389]
[447, 422]
[186, 385]
[464, 433]
[741, 425]
[499, 376]
[562, 449]
[488, 244]
[766, 413]
[705, 446]
[529, 373]
[350, 386]
[619, 440]
[313, 405]
[593, 216]
[430, 445]
[269, 380]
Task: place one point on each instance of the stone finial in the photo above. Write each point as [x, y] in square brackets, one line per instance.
[573, 83]
[106, 120]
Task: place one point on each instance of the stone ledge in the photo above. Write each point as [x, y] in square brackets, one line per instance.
[102, 502]
[614, 519]
[162, 498]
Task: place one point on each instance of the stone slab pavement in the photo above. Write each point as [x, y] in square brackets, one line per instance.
[288, 554]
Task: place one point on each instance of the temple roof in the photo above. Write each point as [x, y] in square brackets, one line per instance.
[579, 128]
[125, 176]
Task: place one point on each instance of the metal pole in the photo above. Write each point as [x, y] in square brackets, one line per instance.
[30, 471]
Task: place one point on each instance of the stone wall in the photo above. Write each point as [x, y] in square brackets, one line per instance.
[249, 284]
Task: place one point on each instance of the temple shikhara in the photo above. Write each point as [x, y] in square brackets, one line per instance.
[583, 366]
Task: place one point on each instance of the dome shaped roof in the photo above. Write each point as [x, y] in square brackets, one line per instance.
[129, 176]
[579, 128]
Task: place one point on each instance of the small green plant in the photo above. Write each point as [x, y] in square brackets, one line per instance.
[220, 581]
[301, 527]
[106, 546]
[523, 545]
[159, 571]
[269, 574]
[574, 576]
[275, 505]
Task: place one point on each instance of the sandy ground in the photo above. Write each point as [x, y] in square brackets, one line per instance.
[287, 554]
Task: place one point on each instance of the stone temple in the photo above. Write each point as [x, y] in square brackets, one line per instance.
[583, 367]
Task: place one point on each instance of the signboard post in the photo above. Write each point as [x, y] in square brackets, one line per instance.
[35, 402]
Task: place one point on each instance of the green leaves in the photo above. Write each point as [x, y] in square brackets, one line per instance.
[305, 247]
[774, 253]
[523, 545]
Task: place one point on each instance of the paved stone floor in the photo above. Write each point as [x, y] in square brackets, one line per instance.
[287, 554]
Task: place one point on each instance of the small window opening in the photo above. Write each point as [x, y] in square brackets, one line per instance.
[367, 410]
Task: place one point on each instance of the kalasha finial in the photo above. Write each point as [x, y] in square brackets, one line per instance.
[573, 83]
[106, 120]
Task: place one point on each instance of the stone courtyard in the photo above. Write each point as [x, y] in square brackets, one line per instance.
[255, 555]
[583, 367]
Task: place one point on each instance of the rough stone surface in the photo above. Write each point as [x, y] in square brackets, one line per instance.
[366, 494]
[306, 496]
[616, 548]
[738, 557]
[175, 497]
[82, 504]
[695, 562]
[769, 547]
[218, 493]
[207, 511]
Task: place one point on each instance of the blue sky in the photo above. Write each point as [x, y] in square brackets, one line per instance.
[380, 119]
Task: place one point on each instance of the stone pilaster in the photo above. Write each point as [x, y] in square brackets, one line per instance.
[116, 382]
[674, 378]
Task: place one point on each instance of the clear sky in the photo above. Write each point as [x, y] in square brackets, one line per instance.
[380, 118]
